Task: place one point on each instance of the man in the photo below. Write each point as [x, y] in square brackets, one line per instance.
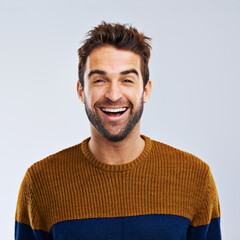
[117, 184]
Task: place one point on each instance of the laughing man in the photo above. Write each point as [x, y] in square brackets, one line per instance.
[117, 184]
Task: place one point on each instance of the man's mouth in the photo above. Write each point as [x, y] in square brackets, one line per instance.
[114, 112]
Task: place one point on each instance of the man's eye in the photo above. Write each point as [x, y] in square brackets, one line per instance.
[128, 81]
[98, 81]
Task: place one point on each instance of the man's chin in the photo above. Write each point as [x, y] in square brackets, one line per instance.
[114, 137]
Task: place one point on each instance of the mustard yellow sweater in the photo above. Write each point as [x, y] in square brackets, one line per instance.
[165, 194]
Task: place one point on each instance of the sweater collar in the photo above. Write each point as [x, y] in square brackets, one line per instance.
[117, 168]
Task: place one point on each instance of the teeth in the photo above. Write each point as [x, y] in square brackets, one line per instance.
[114, 109]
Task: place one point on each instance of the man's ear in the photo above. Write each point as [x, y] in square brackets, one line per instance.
[147, 91]
[80, 91]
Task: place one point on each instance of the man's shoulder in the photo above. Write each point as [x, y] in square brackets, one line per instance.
[178, 158]
[56, 161]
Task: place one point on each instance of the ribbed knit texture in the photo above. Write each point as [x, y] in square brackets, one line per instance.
[73, 184]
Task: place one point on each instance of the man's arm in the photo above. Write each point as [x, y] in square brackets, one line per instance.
[206, 223]
[27, 215]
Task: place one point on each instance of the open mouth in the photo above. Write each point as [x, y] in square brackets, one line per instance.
[114, 112]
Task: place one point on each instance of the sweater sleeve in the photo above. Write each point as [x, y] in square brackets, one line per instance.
[27, 214]
[206, 223]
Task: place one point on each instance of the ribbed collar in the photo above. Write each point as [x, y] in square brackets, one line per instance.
[122, 167]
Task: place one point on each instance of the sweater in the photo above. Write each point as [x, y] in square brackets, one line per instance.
[163, 194]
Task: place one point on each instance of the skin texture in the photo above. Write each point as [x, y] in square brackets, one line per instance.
[113, 79]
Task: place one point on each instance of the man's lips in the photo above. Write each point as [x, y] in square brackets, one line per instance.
[114, 113]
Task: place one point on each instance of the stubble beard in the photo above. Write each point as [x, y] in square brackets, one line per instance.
[97, 122]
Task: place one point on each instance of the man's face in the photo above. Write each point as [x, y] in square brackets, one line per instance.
[113, 91]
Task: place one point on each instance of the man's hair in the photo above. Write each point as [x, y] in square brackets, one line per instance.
[119, 36]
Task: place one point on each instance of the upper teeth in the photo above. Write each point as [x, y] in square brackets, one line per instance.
[114, 109]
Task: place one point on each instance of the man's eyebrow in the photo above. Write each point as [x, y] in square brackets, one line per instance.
[100, 72]
[96, 72]
[129, 71]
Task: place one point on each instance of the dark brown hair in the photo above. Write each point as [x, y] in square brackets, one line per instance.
[120, 36]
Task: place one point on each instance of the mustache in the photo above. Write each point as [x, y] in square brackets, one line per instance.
[109, 103]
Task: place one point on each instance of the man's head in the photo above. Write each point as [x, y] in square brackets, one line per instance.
[119, 36]
[114, 90]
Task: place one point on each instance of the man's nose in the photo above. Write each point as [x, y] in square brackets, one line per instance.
[113, 92]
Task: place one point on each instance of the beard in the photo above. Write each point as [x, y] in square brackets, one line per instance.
[128, 125]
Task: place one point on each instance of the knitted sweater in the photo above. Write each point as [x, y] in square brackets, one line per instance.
[165, 193]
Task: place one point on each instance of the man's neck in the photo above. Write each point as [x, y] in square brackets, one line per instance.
[116, 153]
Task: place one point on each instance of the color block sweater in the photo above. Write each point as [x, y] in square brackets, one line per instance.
[165, 193]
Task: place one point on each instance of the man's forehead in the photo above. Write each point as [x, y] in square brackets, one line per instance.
[112, 60]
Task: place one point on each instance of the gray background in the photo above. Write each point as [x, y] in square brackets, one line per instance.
[194, 69]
